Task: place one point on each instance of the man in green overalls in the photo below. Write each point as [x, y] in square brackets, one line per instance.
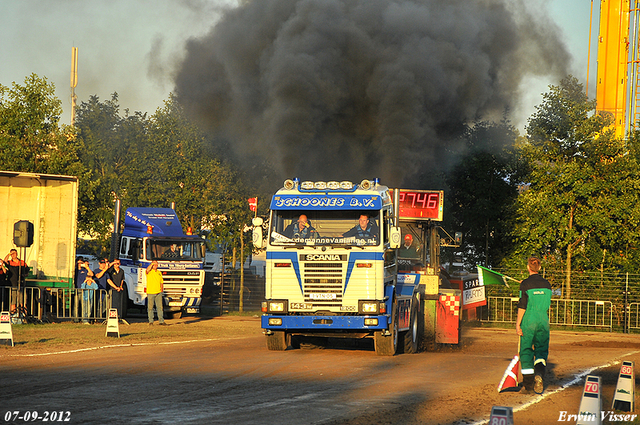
[532, 325]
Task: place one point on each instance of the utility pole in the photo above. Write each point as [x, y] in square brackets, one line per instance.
[241, 304]
[74, 83]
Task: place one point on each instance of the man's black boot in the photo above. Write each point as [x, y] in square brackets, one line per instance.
[538, 386]
[527, 383]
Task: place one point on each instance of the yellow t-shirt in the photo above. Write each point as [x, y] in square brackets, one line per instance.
[154, 282]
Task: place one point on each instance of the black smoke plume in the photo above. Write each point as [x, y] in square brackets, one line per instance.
[348, 89]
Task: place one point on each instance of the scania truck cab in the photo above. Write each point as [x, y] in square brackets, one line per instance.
[335, 266]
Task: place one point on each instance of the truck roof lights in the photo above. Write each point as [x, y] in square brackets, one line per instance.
[150, 230]
[321, 185]
[365, 184]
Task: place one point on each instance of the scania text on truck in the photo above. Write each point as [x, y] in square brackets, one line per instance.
[156, 234]
[335, 267]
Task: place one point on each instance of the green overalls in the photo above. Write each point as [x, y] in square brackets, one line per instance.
[534, 343]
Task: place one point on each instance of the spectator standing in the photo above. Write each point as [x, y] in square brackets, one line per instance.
[17, 273]
[116, 282]
[155, 286]
[5, 295]
[100, 276]
[88, 287]
[82, 271]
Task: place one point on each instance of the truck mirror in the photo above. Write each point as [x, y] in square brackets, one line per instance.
[203, 250]
[394, 237]
[257, 237]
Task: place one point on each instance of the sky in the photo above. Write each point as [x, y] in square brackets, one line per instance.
[132, 47]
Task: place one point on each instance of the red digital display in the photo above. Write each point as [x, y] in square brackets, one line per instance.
[421, 204]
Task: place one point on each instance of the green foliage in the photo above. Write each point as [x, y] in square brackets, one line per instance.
[482, 190]
[153, 161]
[32, 140]
[580, 209]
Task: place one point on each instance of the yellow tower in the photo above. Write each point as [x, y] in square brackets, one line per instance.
[613, 54]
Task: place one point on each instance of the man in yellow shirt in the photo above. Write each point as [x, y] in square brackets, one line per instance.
[154, 292]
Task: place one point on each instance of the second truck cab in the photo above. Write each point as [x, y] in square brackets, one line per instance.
[156, 234]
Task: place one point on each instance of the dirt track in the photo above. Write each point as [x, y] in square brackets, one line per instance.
[236, 380]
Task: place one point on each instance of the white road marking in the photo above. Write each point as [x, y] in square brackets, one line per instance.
[118, 346]
[576, 379]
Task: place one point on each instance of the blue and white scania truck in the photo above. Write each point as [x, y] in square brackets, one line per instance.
[346, 260]
[156, 234]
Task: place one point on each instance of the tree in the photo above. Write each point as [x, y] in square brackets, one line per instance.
[482, 190]
[581, 185]
[153, 161]
[32, 139]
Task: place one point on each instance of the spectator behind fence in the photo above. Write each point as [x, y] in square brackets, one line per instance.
[100, 276]
[4, 283]
[88, 287]
[17, 273]
[82, 271]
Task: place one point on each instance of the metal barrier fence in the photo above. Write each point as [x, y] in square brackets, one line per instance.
[213, 293]
[48, 304]
[633, 316]
[587, 313]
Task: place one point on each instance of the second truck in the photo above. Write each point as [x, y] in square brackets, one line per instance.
[156, 234]
[351, 260]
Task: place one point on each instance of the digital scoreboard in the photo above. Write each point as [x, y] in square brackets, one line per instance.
[421, 204]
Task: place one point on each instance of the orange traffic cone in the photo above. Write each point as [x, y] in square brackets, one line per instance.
[510, 377]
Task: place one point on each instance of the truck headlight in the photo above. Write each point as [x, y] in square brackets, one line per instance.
[277, 306]
[275, 321]
[368, 306]
[371, 322]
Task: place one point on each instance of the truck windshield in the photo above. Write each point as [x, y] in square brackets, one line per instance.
[351, 228]
[173, 250]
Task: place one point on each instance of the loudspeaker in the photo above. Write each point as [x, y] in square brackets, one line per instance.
[23, 233]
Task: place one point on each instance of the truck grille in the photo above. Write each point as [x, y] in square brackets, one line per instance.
[322, 284]
[181, 282]
[181, 277]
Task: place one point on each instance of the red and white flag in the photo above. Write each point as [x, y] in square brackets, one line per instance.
[253, 204]
[510, 377]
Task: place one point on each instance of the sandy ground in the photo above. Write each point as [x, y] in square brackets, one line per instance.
[219, 371]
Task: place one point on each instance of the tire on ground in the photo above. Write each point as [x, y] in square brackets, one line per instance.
[413, 335]
[277, 341]
[387, 345]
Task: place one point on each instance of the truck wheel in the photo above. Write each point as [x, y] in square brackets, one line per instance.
[277, 341]
[387, 345]
[412, 336]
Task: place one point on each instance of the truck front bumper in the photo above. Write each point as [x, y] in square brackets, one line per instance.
[324, 323]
